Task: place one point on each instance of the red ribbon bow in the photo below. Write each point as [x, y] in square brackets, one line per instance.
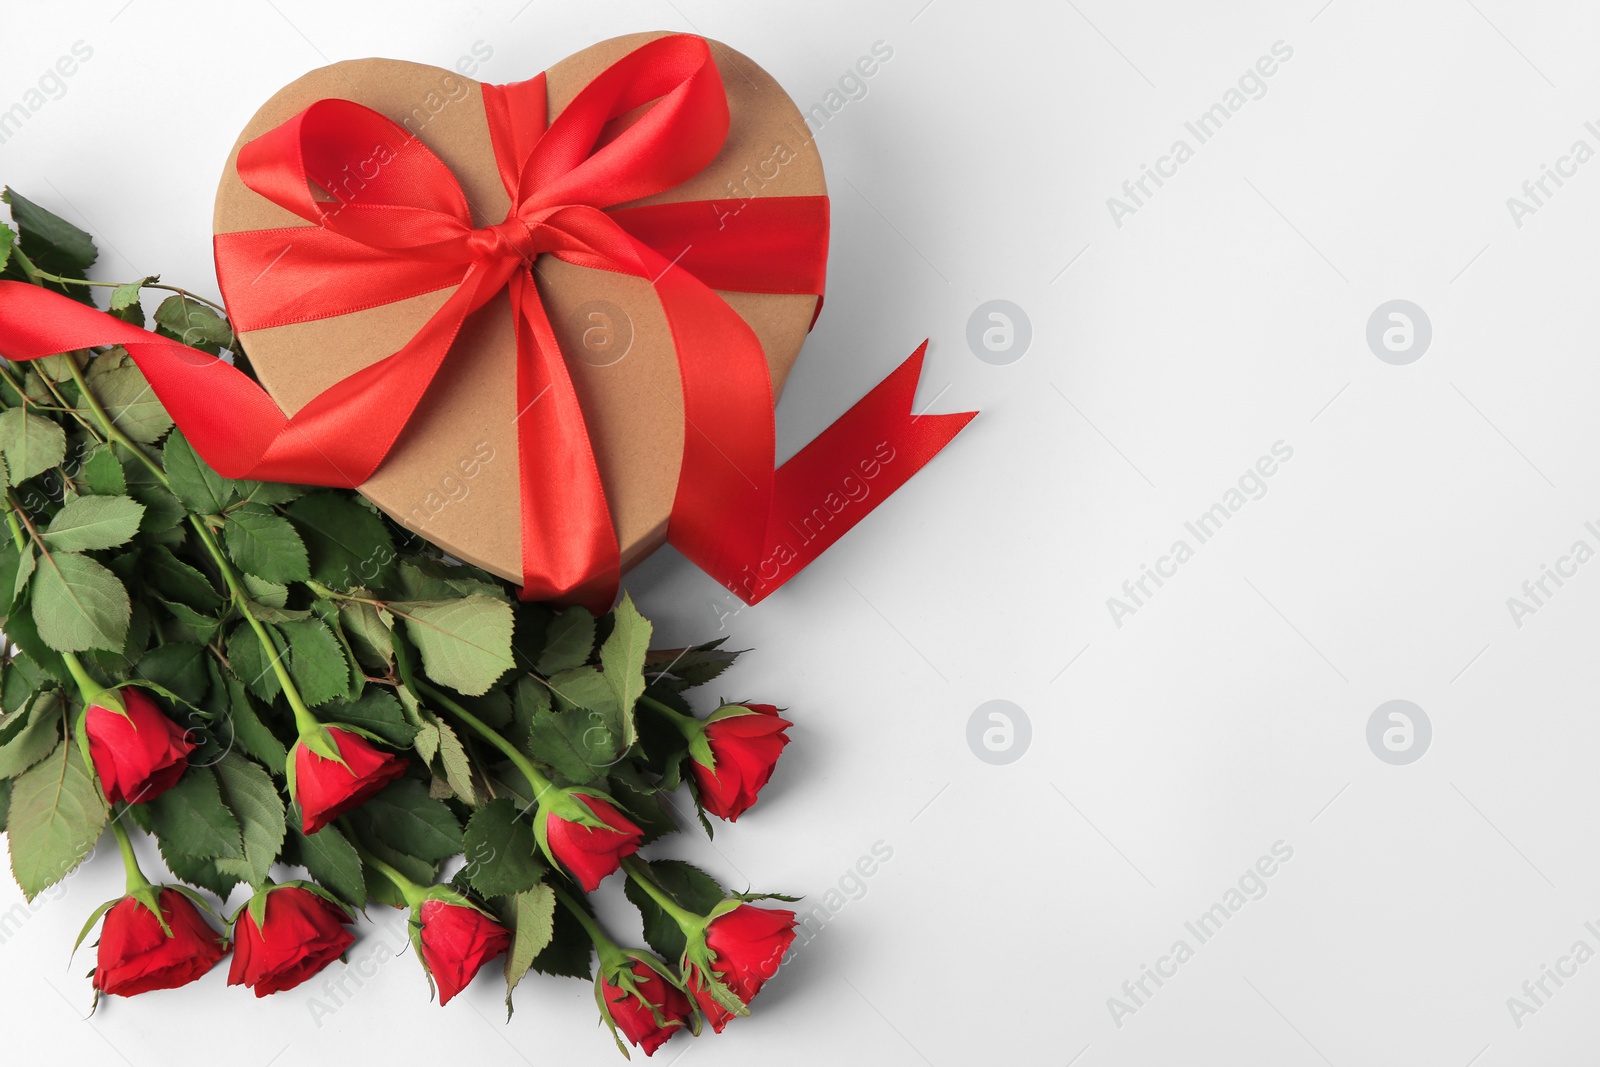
[410, 232]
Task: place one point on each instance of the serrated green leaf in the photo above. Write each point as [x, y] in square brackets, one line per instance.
[102, 474]
[178, 580]
[127, 397]
[531, 916]
[453, 757]
[249, 792]
[568, 642]
[191, 819]
[49, 238]
[199, 487]
[26, 562]
[465, 644]
[56, 815]
[316, 662]
[77, 604]
[569, 952]
[622, 659]
[126, 295]
[31, 444]
[94, 522]
[368, 628]
[378, 712]
[179, 668]
[264, 543]
[250, 662]
[349, 546]
[333, 861]
[8, 238]
[502, 857]
[409, 821]
[195, 324]
[39, 736]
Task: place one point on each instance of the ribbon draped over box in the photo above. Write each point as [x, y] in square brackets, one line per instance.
[736, 515]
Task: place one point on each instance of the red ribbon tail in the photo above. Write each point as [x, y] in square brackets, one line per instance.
[837, 479]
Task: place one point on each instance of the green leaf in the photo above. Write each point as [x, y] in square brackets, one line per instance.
[568, 642]
[94, 522]
[253, 735]
[531, 916]
[102, 474]
[57, 814]
[49, 239]
[127, 397]
[77, 604]
[265, 544]
[8, 238]
[26, 562]
[250, 662]
[437, 738]
[178, 667]
[195, 324]
[249, 791]
[125, 300]
[5, 803]
[178, 580]
[368, 627]
[465, 644]
[191, 819]
[568, 952]
[501, 853]
[578, 744]
[687, 886]
[316, 663]
[690, 666]
[197, 870]
[199, 487]
[377, 712]
[39, 736]
[333, 861]
[31, 443]
[348, 544]
[406, 819]
[622, 658]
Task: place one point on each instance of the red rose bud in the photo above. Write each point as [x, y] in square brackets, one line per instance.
[300, 933]
[591, 852]
[138, 755]
[745, 743]
[326, 788]
[136, 955]
[648, 1014]
[746, 946]
[457, 940]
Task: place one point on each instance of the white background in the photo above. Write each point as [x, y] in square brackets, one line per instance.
[1168, 353]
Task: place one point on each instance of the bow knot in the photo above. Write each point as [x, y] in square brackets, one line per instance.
[514, 237]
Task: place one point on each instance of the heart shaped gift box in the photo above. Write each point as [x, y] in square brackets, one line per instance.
[453, 473]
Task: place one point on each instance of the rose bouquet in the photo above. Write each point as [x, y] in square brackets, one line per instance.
[270, 678]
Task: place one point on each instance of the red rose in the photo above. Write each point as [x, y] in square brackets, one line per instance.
[592, 852]
[326, 788]
[137, 756]
[136, 955]
[302, 932]
[746, 944]
[746, 746]
[652, 1013]
[456, 941]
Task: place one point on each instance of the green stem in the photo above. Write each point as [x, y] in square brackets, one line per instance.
[541, 785]
[110, 427]
[413, 893]
[687, 725]
[611, 954]
[639, 871]
[36, 274]
[130, 863]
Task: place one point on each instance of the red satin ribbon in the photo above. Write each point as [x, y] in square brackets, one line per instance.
[409, 231]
